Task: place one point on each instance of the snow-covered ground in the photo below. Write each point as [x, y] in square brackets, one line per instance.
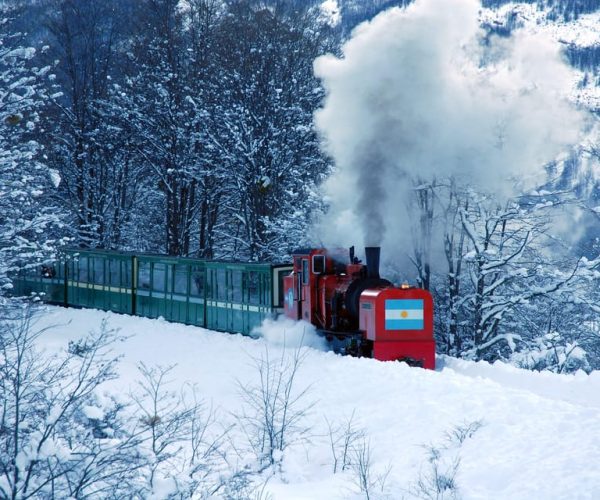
[539, 436]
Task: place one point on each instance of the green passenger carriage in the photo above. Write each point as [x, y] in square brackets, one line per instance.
[227, 296]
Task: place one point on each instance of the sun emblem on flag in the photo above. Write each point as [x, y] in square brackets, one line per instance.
[404, 314]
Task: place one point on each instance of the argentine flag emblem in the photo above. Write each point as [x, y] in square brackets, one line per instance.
[404, 314]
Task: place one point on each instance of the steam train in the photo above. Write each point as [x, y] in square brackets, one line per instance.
[358, 312]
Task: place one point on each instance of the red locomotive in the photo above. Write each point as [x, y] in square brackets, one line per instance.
[357, 311]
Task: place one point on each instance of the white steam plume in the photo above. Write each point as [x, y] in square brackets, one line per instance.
[422, 92]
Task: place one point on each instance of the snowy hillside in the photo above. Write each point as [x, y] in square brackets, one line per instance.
[525, 435]
[578, 36]
[575, 25]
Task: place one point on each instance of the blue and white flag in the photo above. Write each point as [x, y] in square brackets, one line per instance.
[404, 314]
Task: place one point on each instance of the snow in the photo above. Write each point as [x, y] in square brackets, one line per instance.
[93, 412]
[54, 177]
[539, 435]
[21, 52]
[583, 31]
[331, 12]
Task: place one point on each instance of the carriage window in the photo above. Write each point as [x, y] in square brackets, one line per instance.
[245, 293]
[304, 272]
[253, 296]
[169, 269]
[197, 282]
[281, 288]
[82, 266]
[236, 277]
[318, 264]
[98, 270]
[144, 275]
[114, 272]
[158, 277]
[58, 269]
[266, 289]
[221, 284]
[72, 270]
[181, 279]
[126, 273]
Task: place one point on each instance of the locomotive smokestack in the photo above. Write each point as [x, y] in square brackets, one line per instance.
[372, 254]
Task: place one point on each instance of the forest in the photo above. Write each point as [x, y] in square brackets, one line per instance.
[188, 129]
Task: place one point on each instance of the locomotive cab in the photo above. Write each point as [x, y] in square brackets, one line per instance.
[310, 268]
[325, 286]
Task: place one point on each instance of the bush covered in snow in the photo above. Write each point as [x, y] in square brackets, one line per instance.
[554, 353]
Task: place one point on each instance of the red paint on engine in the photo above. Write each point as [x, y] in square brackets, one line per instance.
[415, 345]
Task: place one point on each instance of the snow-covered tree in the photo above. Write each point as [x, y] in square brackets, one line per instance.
[504, 281]
[163, 107]
[57, 438]
[26, 217]
[262, 125]
[220, 110]
[505, 268]
[93, 157]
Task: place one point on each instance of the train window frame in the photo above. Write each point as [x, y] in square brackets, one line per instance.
[320, 259]
[181, 279]
[237, 289]
[305, 271]
[198, 277]
[158, 283]
[253, 283]
[221, 283]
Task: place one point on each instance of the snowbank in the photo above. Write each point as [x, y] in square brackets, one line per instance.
[538, 435]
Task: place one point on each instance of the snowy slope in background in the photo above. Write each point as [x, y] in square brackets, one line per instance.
[575, 28]
[557, 20]
[540, 436]
[580, 33]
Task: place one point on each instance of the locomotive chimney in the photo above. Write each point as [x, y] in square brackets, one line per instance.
[372, 254]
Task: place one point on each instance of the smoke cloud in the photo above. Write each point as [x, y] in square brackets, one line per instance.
[425, 92]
